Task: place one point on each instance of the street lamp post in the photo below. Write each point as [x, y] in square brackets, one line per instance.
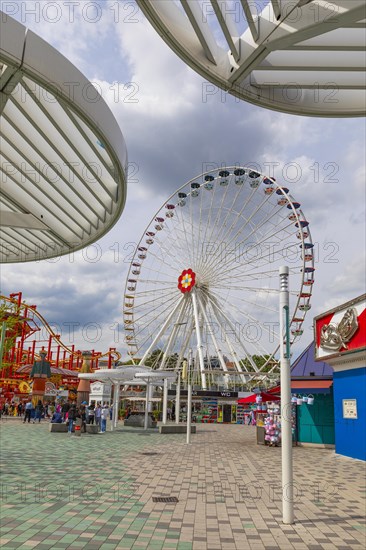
[286, 427]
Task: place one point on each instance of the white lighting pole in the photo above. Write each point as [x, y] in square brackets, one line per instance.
[189, 398]
[177, 401]
[286, 428]
[116, 410]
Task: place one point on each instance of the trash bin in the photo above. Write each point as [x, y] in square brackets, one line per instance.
[78, 427]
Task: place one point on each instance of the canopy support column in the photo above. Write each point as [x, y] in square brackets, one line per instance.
[177, 401]
[147, 404]
[165, 400]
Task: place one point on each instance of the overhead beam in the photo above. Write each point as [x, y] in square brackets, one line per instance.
[201, 28]
[228, 27]
[251, 17]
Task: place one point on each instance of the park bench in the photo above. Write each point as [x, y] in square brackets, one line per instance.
[175, 429]
[58, 427]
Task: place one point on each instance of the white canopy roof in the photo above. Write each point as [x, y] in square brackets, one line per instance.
[63, 156]
[297, 56]
[129, 374]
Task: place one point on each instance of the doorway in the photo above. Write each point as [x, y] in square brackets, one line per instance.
[226, 416]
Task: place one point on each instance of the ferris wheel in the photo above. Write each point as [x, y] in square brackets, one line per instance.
[204, 276]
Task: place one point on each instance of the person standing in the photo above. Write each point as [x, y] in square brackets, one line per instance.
[28, 411]
[91, 414]
[98, 413]
[64, 409]
[39, 412]
[104, 415]
[83, 418]
[71, 418]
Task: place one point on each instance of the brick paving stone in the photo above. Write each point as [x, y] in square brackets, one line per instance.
[229, 492]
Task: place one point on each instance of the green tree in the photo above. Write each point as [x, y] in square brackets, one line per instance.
[259, 361]
[154, 359]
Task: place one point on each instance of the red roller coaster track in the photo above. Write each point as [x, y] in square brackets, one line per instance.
[25, 349]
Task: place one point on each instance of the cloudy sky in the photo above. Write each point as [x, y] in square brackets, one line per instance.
[174, 132]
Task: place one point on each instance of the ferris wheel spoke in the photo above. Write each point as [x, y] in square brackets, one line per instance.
[149, 314]
[173, 334]
[208, 221]
[228, 212]
[253, 232]
[162, 330]
[234, 246]
[240, 313]
[218, 213]
[271, 255]
[248, 220]
[162, 258]
[275, 211]
[183, 237]
[218, 312]
[163, 294]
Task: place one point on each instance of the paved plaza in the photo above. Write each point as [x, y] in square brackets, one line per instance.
[99, 491]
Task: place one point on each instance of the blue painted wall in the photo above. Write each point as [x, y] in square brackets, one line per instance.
[350, 435]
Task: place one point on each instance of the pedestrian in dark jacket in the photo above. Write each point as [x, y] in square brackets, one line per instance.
[83, 418]
[39, 411]
[72, 413]
[64, 409]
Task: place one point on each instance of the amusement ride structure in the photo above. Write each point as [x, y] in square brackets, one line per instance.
[33, 340]
[204, 277]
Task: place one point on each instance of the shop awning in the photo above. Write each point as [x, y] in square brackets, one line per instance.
[314, 386]
[251, 398]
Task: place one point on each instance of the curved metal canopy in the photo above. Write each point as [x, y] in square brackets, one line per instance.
[305, 57]
[63, 157]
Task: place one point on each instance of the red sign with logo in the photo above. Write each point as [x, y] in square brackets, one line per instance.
[341, 330]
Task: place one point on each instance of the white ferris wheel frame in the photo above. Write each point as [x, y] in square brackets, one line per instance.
[198, 308]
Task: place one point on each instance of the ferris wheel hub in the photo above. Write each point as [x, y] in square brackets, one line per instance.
[186, 280]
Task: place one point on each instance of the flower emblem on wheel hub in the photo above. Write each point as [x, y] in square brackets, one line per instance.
[186, 280]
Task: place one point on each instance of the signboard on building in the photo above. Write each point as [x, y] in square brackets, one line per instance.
[349, 408]
[205, 393]
[50, 390]
[341, 331]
